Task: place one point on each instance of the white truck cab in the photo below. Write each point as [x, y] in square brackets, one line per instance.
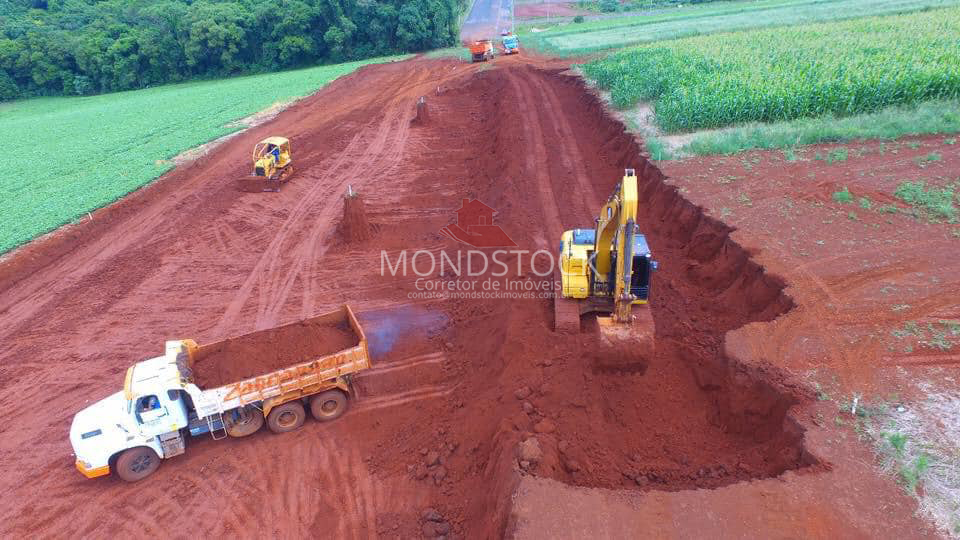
[130, 432]
[149, 415]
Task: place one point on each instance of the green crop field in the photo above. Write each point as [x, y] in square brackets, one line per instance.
[692, 20]
[72, 155]
[806, 71]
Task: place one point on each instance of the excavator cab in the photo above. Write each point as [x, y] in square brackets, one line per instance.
[642, 265]
[272, 166]
[607, 271]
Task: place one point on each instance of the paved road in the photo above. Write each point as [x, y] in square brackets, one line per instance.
[487, 18]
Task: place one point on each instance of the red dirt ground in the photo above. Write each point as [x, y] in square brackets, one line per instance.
[550, 9]
[718, 437]
[259, 353]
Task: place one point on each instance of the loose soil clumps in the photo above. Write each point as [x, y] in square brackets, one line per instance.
[259, 353]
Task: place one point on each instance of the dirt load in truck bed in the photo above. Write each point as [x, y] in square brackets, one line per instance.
[259, 353]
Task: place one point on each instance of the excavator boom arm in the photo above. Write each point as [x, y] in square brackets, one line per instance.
[617, 223]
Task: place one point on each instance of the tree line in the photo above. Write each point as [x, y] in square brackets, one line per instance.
[77, 47]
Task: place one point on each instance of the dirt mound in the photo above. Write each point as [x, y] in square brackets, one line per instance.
[354, 227]
[423, 112]
[258, 353]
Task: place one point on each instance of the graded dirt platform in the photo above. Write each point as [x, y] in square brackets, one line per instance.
[476, 420]
[258, 353]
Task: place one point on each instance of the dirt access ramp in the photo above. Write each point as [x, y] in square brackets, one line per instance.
[459, 385]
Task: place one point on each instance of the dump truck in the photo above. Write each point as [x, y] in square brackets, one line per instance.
[481, 50]
[228, 388]
[510, 43]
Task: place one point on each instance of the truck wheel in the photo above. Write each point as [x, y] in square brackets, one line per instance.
[247, 422]
[286, 417]
[137, 463]
[329, 405]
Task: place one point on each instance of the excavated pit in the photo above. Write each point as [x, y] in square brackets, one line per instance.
[697, 417]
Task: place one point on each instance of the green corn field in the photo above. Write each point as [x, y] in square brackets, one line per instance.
[842, 68]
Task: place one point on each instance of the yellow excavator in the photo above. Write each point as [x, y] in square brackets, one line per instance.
[606, 270]
[272, 166]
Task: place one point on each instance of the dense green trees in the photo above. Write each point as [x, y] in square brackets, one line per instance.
[87, 46]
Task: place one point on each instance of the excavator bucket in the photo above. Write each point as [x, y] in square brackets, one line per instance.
[627, 347]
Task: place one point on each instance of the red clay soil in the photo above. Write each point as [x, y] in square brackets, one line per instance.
[354, 226]
[860, 270]
[549, 9]
[468, 396]
[259, 353]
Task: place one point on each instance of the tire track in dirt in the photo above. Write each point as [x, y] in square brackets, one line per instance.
[272, 252]
[19, 303]
[272, 275]
[386, 151]
[570, 157]
[266, 272]
[535, 162]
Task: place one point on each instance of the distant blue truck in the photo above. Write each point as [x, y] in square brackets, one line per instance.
[510, 43]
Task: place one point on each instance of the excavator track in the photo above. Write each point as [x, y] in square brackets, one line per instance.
[566, 312]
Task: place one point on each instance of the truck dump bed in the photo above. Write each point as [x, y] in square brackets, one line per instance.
[296, 357]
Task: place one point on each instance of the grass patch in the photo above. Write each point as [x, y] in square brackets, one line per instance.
[936, 204]
[657, 149]
[919, 445]
[932, 117]
[837, 155]
[94, 150]
[909, 329]
[898, 442]
[461, 53]
[843, 196]
[843, 68]
[922, 161]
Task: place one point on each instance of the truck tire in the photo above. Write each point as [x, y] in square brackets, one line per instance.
[249, 421]
[137, 463]
[328, 405]
[286, 417]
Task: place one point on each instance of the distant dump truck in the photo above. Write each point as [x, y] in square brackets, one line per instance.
[511, 45]
[481, 50]
[225, 388]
